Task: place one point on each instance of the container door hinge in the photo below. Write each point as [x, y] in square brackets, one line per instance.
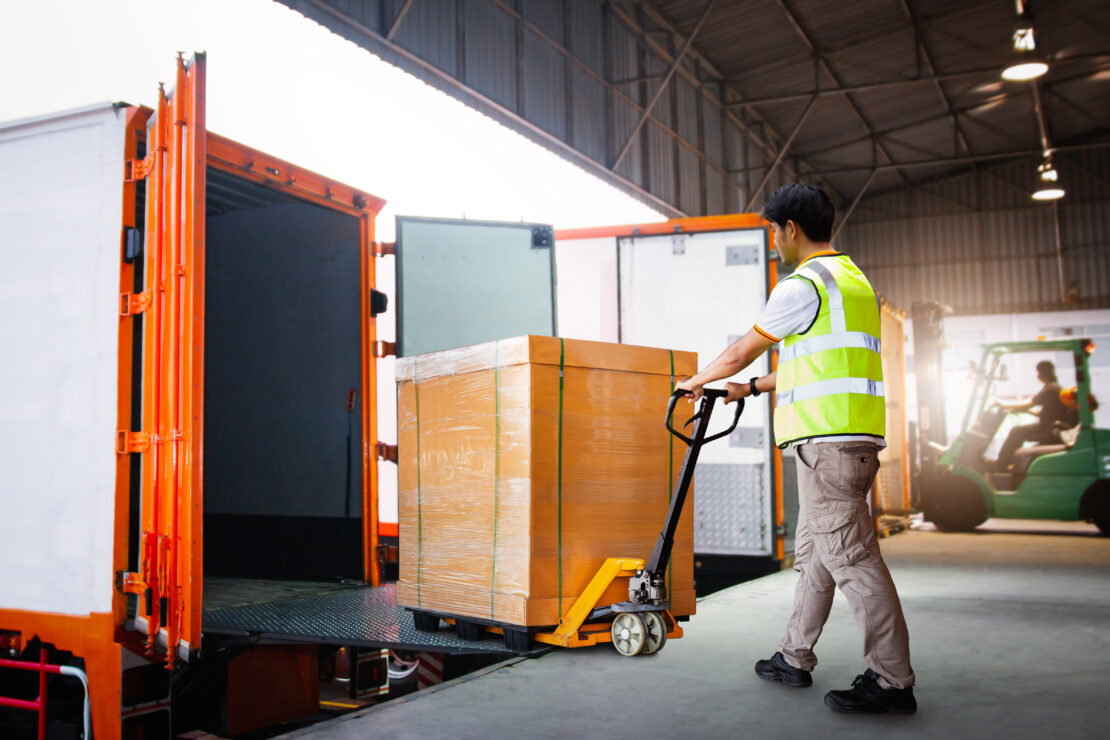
[387, 452]
[383, 249]
[128, 442]
[131, 304]
[130, 583]
[138, 169]
[385, 349]
[388, 553]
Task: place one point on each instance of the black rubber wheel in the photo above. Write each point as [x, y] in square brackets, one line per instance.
[1096, 503]
[517, 641]
[469, 630]
[425, 622]
[953, 503]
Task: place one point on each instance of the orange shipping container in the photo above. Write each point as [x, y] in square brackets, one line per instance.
[524, 464]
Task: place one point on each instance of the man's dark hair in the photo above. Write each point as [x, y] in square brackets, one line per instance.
[1046, 369]
[806, 205]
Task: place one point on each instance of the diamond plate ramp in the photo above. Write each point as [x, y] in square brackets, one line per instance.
[364, 616]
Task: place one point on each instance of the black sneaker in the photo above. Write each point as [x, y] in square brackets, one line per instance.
[777, 669]
[866, 696]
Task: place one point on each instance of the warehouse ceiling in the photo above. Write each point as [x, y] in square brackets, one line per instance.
[706, 106]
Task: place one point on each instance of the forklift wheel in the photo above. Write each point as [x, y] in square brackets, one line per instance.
[655, 631]
[629, 633]
[954, 504]
[425, 622]
[1096, 504]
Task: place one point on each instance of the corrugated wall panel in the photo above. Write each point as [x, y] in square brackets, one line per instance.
[624, 64]
[589, 115]
[689, 177]
[545, 85]
[491, 53]
[661, 173]
[988, 262]
[430, 31]
[587, 28]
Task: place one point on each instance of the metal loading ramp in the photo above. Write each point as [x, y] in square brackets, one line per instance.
[1008, 633]
[326, 614]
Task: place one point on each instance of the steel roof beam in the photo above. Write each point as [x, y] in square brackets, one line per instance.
[663, 85]
[808, 39]
[719, 79]
[395, 26]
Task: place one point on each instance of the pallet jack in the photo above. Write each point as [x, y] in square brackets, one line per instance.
[642, 624]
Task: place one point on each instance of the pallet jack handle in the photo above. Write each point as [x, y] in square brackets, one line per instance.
[709, 395]
[661, 555]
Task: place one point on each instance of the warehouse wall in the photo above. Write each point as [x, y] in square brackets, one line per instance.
[979, 244]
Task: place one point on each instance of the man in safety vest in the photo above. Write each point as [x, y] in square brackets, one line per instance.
[829, 404]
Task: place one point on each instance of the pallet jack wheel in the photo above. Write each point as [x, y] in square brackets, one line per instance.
[629, 634]
[425, 622]
[469, 630]
[655, 632]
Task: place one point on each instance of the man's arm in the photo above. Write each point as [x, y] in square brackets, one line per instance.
[735, 358]
[1017, 406]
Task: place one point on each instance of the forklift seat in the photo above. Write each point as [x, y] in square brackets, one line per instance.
[1024, 457]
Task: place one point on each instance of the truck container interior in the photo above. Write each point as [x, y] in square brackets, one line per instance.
[282, 370]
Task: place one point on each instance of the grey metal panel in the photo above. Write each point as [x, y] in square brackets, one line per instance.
[364, 616]
[431, 31]
[589, 126]
[491, 58]
[789, 500]
[689, 174]
[545, 85]
[661, 157]
[547, 14]
[586, 32]
[687, 124]
[729, 509]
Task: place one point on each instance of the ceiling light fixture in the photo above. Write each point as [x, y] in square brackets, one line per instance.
[1048, 187]
[1027, 64]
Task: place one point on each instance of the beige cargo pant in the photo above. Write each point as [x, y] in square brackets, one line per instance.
[835, 545]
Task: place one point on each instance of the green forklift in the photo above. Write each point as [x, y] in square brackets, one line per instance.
[1069, 480]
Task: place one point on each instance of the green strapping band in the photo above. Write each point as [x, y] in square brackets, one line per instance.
[496, 467]
[419, 511]
[562, 364]
[670, 480]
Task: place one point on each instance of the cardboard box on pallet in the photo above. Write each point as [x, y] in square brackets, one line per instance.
[524, 464]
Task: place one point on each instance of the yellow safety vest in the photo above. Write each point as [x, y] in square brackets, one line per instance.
[830, 376]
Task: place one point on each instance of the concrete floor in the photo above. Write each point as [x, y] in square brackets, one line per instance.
[1009, 627]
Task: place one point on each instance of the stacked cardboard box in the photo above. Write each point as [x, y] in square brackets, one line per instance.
[524, 464]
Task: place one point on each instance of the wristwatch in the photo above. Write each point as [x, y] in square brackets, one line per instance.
[752, 388]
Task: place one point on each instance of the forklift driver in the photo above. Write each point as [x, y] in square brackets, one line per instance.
[1043, 431]
[829, 404]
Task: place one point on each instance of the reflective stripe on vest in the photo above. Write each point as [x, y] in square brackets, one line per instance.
[830, 378]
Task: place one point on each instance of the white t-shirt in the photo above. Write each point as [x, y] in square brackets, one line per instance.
[791, 309]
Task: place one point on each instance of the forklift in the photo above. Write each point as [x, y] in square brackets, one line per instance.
[1068, 480]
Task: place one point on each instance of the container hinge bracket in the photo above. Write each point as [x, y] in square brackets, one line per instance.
[130, 583]
[383, 249]
[131, 304]
[387, 452]
[138, 169]
[385, 349]
[388, 553]
[127, 442]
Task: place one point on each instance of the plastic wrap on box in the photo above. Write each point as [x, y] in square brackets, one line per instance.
[524, 464]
